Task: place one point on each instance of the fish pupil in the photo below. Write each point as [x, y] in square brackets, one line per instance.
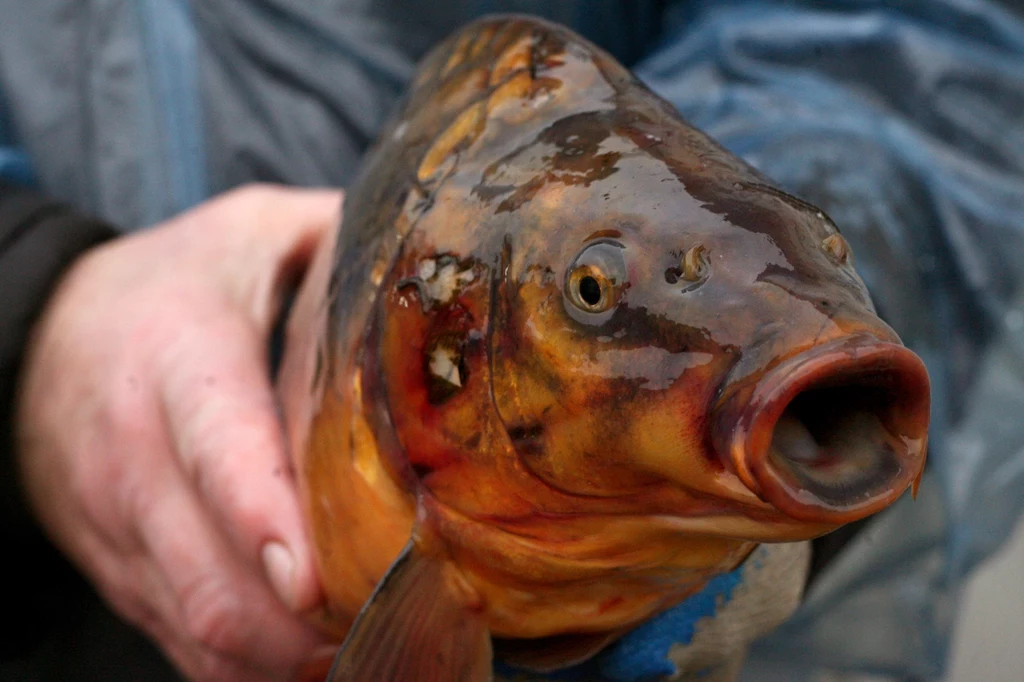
[590, 290]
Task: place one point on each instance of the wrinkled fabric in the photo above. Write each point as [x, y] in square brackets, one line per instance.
[104, 101]
[903, 120]
[135, 110]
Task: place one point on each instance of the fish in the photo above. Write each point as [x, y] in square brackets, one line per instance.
[566, 360]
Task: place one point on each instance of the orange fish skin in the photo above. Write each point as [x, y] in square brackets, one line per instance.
[584, 345]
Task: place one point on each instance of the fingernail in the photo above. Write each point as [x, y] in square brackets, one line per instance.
[279, 565]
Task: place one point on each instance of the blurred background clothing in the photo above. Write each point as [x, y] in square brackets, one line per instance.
[904, 120]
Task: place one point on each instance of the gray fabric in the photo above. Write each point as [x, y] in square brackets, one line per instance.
[135, 110]
[295, 91]
[904, 122]
[83, 102]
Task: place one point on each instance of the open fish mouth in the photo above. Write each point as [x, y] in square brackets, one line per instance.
[832, 434]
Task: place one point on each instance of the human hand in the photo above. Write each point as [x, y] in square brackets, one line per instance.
[150, 443]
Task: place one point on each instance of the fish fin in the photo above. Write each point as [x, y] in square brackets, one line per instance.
[418, 626]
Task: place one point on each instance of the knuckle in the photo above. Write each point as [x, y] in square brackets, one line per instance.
[89, 487]
[107, 484]
[129, 416]
[246, 510]
[125, 590]
[136, 610]
[213, 617]
[228, 477]
[241, 507]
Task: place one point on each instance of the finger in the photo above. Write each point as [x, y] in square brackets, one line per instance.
[215, 604]
[268, 236]
[135, 584]
[136, 589]
[156, 611]
[227, 432]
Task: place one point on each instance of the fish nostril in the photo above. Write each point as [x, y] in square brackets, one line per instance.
[693, 268]
[695, 263]
[836, 248]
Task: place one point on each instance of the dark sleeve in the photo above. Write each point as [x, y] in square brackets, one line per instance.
[39, 238]
[56, 627]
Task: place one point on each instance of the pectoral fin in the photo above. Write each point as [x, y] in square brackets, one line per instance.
[416, 627]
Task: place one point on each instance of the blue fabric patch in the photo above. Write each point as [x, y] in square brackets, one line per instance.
[170, 43]
[642, 655]
[14, 166]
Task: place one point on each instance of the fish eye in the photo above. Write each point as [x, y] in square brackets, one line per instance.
[597, 277]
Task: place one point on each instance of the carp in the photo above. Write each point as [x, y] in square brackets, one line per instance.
[566, 360]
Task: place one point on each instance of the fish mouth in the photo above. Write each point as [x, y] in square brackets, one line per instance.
[832, 434]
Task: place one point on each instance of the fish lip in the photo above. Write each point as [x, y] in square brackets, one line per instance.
[745, 421]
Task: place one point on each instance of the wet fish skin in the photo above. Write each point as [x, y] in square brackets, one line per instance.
[578, 467]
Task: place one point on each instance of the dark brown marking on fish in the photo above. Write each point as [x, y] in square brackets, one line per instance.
[795, 202]
[528, 439]
[422, 470]
[638, 327]
[808, 287]
[575, 160]
[608, 233]
[548, 50]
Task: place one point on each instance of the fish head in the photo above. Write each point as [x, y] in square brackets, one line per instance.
[670, 329]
